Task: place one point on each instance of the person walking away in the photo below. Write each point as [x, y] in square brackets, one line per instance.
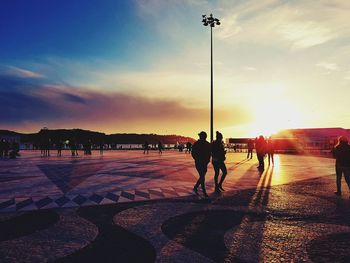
[59, 147]
[146, 147]
[250, 149]
[270, 151]
[201, 151]
[341, 153]
[218, 160]
[160, 147]
[260, 147]
[101, 148]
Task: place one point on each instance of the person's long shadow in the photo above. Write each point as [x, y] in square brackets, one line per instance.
[205, 231]
[248, 227]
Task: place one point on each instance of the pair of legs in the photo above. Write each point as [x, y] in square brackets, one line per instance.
[340, 170]
[217, 167]
[261, 161]
[202, 170]
[250, 154]
[270, 156]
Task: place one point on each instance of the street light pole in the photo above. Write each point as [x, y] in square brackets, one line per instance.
[211, 21]
[211, 87]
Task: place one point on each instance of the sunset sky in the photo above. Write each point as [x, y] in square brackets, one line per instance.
[144, 66]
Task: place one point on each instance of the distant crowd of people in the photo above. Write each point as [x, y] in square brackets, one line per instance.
[46, 145]
[8, 149]
[180, 147]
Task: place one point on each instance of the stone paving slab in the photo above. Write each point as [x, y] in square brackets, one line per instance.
[31, 182]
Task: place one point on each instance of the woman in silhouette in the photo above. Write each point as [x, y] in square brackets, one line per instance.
[218, 160]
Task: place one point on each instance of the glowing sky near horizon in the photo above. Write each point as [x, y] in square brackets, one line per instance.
[144, 66]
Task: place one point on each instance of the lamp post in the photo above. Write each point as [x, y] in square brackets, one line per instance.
[212, 22]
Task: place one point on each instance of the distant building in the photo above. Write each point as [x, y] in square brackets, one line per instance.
[313, 140]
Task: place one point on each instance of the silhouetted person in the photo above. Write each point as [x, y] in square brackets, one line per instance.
[260, 146]
[48, 146]
[88, 147]
[235, 147]
[201, 151]
[250, 149]
[160, 147]
[2, 148]
[14, 150]
[59, 147]
[146, 147]
[270, 150]
[42, 147]
[101, 148]
[45, 146]
[218, 160]
[341, 153]
[188, 147]
[73, 147]
[6, 148]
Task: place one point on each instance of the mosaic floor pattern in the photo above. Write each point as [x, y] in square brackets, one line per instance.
[31, 182]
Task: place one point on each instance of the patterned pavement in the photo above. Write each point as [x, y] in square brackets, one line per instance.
[288, 213]
[31, 182]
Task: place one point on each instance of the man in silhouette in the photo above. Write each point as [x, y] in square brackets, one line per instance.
[160, 147]
[218, 160]
[146, 147]
[260, 147]
[341, 153]
[101, 148]
[270, 151]
[201, 151]
[59, 147]
[250, 149]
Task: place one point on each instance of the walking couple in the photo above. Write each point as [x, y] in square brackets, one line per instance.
[202, 150]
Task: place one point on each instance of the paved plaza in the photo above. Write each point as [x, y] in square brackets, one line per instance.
[125, 206]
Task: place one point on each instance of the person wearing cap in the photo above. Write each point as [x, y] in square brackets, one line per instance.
[341, 153]
[218, 160]
[201, 152]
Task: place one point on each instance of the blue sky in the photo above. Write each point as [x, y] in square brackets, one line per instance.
[143, 66]
[76, 29]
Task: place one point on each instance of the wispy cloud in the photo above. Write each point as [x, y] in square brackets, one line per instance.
[347, 76]
[299, 23]
[248, 68]
[23, 73]
[231, 27]
[306, 34]
[328, 66]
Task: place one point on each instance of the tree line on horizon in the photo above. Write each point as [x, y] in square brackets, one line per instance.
[81, 136]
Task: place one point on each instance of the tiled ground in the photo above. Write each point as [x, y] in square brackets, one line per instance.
[288, 213]
[31, 182]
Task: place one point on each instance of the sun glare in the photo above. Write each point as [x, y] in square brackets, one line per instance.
[275, 116]
[273, 112]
